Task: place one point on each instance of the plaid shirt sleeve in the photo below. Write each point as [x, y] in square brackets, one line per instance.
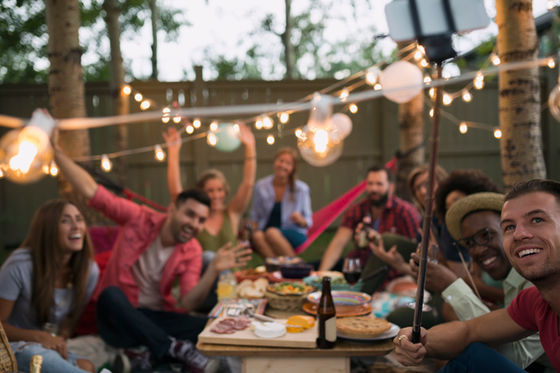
[353, 216]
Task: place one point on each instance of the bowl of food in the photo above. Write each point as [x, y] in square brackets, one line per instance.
[342, 298]
[297, 270]
[273, 264]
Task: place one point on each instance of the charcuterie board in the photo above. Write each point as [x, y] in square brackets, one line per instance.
[246, 337]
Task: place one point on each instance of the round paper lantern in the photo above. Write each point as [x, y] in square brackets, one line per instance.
[227, 139]
[554, 102]
[342, 124]
[319, 147]
[401, 81]
[320, 112]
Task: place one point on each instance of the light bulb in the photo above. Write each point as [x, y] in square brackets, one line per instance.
[26, 153]
[377, 87]
[427, 79]
[166, 110]
[353, 108]
[53, 169]
[344, 95]
[211, 139]
[550, 63]
[259, 124]
[2, 173]
[284, 117]
[418, 55]
[424, 63]
[495, 59]
[177, 119]
[213, 126]
[554, 102]
[270, 140]
[320, 112]
[165, 119]
[478, 82]
[106, 163]
[196, 123]
[145, 105]
[432, 93]
[299, 133]
[371, 75]
[159, 153]
[267, 123]
[463, 128]
[126, 90]
[431, 113]
[497, 133]
[467, 97]
[138, 97]
[447, 99]
[189, 129]
[320, 147]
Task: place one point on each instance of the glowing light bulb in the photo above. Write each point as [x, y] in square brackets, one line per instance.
[159, 153]
[427, 79]
[165, 120]
[447, 99]
[424, 63]
[270, 140]
[26, 153]
[550, 63]
[320, 141]
[177, 119]
[213, 126]
[344, 95]
[259, 124]
[371, 75]
[466, 96]
[463, 128]
[478, 82]
[299, 133]
[189, 129]
[138, 97]
[497, 133]
[236, 128]
[284, 117]
[377, 87]
[432, 93]
[2, 173]
[126, 90]
[53, 169]
[418, 55]
[166, 110]
[353, 108]
[319, 147]
[267, 123]
[431, 113]
[211, 139]
[495, 59]
[106, 164]
[196, 123]
[145, 105]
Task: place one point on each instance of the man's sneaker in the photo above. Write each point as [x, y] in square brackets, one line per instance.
[132, 359]
[121, 364]
[186, 352]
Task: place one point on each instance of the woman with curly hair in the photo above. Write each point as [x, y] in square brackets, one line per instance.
[45, 285]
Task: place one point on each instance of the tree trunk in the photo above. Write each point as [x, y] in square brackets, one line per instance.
[289, 55]
[411, 135]
[155, 17]
[120, 101]
[66, 86]
[519, 94]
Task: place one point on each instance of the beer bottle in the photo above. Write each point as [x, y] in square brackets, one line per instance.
[326, 317]
[35, 364]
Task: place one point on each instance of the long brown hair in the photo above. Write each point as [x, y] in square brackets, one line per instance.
[292, 176]
[43, 241]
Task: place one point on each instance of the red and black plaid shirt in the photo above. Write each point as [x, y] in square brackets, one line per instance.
[398, 216]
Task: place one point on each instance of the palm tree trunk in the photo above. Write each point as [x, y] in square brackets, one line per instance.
[154, 17]
[519, 94]
[289, 54]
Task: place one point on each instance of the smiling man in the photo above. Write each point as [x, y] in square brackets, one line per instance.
[152, 252]
[530, 226]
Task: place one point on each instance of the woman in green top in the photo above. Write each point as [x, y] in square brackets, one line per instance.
[222, 225]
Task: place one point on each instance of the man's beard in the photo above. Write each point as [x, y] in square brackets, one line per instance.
[381, 201]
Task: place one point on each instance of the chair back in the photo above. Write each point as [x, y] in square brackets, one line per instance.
[7, 359]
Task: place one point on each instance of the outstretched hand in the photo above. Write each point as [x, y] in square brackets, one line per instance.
[438, 276]
[409, 353]
[246, 135]
[228, 257]
[391, 257]
[172, 138]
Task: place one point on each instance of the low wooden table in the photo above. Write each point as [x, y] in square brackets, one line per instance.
[294, 360]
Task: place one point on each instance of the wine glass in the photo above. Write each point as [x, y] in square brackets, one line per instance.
[352, 270]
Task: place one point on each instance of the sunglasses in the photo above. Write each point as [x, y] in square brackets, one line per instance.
[480, 238]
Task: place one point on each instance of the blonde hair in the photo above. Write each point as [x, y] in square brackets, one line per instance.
[209, 175]
[440, 175]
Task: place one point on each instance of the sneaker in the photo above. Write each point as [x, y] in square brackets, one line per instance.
[121, 364]
[129, 360]
[186, 352]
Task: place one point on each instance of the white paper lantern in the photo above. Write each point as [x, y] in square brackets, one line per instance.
[342, 124]
[401, 81]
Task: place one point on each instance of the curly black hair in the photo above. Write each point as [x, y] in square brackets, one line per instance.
[468, 181]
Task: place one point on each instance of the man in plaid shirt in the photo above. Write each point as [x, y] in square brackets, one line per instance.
[385, 212]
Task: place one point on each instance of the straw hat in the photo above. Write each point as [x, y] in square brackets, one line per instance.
[471, 203]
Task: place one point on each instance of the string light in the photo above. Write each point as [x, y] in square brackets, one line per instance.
[299, 133]
[353, 108]
[427, 79]
[344, 95]
[478, 82]
[371, 76]
[447, 99]
[213, 126]
[106, 164]
[551, 64]
[270, 140]
[236, 128]
[495, 59]
[432, 93]
[418, 55]
[466, 96]
[267, 123]
[159, 153]
[431, 113]
[211, 139]
[424, 63]
[189, 129]
[177, 119]
[196, 123]
[497, 133]
[126, 90]
[463, 128]
[145, 105]
[284, 117]
[138, 97]
[259, 124]
[2, 174]
[377, 87]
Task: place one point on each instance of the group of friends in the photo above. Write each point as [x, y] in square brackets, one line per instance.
[164, 265]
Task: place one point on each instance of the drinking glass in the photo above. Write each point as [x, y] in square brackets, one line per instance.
[352, 270]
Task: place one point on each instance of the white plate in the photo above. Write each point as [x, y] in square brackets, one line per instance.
[391, 333]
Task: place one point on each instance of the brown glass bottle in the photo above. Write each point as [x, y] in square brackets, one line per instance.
[326, 317]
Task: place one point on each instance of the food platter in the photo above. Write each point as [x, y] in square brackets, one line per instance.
[391, 333]
[342, 297]
[290, 288]
[341, 311]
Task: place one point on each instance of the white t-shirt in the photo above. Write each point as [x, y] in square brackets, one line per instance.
[147, 273]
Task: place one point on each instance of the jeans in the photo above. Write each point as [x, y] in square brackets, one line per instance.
[52, 361]
[122, 325]
[478, 357]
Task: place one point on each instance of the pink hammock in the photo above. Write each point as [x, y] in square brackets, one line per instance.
[325, 216]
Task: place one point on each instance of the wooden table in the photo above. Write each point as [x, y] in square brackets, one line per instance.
[294, 360]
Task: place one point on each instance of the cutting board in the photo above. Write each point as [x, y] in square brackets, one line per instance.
[305, 339]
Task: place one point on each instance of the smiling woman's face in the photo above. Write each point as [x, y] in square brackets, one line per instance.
[71, 229]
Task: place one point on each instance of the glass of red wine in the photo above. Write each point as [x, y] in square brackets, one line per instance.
[352, 270]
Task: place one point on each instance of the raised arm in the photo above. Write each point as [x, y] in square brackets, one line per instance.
[80, 179]
[240, 201]
[335, 248]
[173, 140]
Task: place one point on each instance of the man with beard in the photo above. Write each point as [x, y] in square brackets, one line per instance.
[474, 222]
[380, 210]
[530, 227]
[152, 252]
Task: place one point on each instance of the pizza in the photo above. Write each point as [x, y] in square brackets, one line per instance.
[362, 326]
